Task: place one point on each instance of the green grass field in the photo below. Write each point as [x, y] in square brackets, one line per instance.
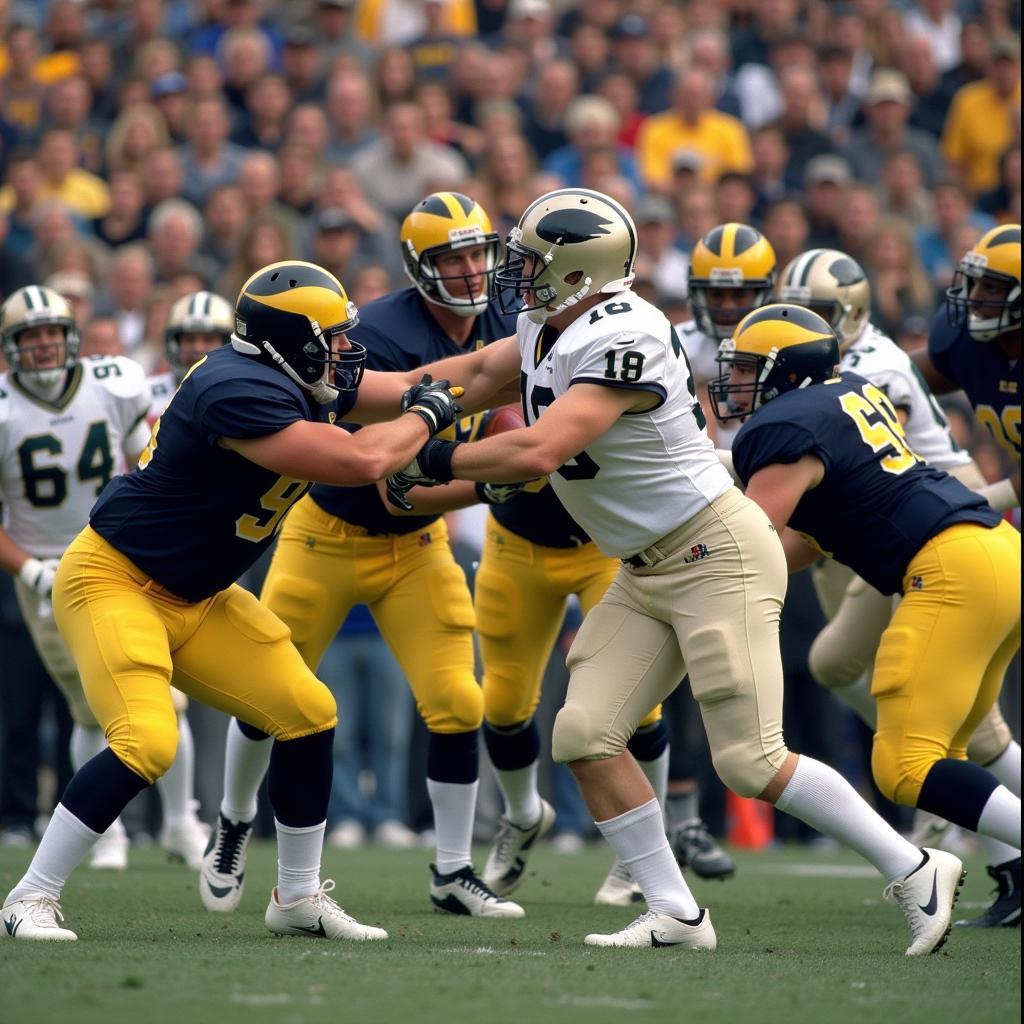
[802, 938]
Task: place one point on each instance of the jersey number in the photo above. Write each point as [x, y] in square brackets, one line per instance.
[1005, 428]
[273, 505]
[582, 466]
[880, 427]
[47, 486]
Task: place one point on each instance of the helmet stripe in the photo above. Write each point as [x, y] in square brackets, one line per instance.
[744, 239]
[436, 205]
[713, 240]
[804, 268]
[465, 202]
[1009, 235]
[798, 315]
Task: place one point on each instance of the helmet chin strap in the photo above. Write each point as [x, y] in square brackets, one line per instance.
[322, 392]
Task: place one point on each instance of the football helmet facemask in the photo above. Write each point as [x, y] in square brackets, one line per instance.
[730, 256]
[787, 346]
[287, 315]
[199, 313]
[994, 261]
[447, 222]
[568, 232]
[833, 285]
[36, 306]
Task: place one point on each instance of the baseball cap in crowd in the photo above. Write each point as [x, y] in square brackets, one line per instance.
[300, 35]
[529, 8]
[631, 26]
[1006, 48]
[827, 168]
[333, 218]
[888, 85]
[687, 160]
[654, 210]
[168, 84]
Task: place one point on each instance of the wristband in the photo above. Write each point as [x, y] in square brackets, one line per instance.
[483, 495]
[1001, 495]
[435, 459]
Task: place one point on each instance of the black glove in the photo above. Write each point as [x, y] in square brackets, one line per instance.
[434, 402]
[498, 494]
[432, 466]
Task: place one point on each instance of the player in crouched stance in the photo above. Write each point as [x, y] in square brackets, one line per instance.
[613, 419]
[147, 588]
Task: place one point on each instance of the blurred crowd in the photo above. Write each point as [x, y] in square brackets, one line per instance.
[150, 148]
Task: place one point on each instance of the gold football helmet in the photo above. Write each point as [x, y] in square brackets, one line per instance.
[569, 233]
[985, 294]
[789, 348]
[201, 313]
[36, 306]
[729, 258]
[447, 222]
[834, 286]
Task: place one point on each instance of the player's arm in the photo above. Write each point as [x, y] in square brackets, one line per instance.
[1003, 494]
[36, 573]
[778, 489]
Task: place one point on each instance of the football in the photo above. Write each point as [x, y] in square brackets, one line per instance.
[502, 420]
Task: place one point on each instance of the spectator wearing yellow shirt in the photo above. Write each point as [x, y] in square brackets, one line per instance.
[84, 194]
[692, 124]
[398, 22]
[979, 126]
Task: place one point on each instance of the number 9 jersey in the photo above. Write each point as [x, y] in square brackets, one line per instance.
[56, 457]
[878, 502]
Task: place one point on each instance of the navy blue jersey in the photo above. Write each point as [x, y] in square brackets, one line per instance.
[540, 518]
[400, 334]
[196, 515]
[878, 503]
[991, 381]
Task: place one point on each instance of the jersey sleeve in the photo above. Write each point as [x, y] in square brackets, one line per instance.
[764, 444]
[126, 381]
[897, 385]
[382, 352]
[626, 359]
[243, 409]
[940, 343]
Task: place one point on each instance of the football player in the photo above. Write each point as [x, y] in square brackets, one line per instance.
[67, 426]
[147, 588]
[615, 422]
[827, 455]
[975, 344]
[342, 546]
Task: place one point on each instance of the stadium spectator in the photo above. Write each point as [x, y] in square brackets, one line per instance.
[19, 198]
[267, 103]
[300, 177]
[635, 52]
[899, 286]
[349, 107]
[785, 225]
[772, 178]
[163, 176]
[265, 241]
[557, 85]
[61, 177]
[23, 94]
[225, 217]
[902, 190]
[136, 132]
[939, 23]
[1003, 201]
[394, 76]
[128, 284]
[656, 237]
[802, 117]
[259, 178]
[936, 243]
[175, 232]
[245, 55]
[303, 59]
[208, 158]
[857, 220]
[825, 180]
[932, 91]
[335, 34]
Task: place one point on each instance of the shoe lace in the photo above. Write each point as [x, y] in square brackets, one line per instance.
[897, 891]
[476, 886]
[44, 910]
[325, 903]
[504, 840]
[230, 840]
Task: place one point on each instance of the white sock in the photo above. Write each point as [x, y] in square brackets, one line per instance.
[65, 842]
[1000, 817]
[858, 696]
[522, 800]
[1006, 768]
[995, 851]
[86, 742]
[657, 775]
[454, 806]
[638, 839]
[821, 797]
[298, 860]
[245, 763]
[177, 784]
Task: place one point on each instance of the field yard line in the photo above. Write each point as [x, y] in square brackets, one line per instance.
[605, 1002]
[813, 870]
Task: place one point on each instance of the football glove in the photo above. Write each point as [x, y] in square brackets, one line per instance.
[432, 466]
[37, 574]
[434, 402]
[498, 494]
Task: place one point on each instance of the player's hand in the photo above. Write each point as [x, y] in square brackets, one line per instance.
[434, 402]
[37, 574]
[399, 484]
[498, 494]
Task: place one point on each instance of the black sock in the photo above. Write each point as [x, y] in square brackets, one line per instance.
[453, 757]
[299, 781]
[649, 742]
[514, 746]
[957, 791]
[250, 732]
[101, 789]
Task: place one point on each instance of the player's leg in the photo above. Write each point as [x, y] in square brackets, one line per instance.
[934, 689]
[426, 618]
[241, 661]
[519, 602]
[725, 610]
[623, 662]
[120, 641]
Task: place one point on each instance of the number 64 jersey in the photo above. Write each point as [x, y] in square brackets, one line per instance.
[56, 457]
[650, 471]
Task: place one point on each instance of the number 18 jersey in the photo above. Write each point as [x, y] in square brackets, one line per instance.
[650, 471]
[56, 457]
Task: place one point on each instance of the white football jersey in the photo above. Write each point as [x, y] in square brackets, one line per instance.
[161, 390]
[55, 458]
[877, 358]
[650, 471]
[702, 352]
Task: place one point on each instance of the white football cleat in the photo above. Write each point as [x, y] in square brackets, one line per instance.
[654, 931]
[187, 839]
[110, 851]
[35, 917]
[318, 916]
[927, 897]
[511, 848]
[618, 889]
[222, 872]
[464, 892]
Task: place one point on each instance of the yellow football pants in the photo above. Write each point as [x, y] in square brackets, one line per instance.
[520, 594]
[414, 589]
[942, 659]
[127, 634]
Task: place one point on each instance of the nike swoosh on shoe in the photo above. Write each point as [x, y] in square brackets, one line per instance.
[11, 924]
[658, 944]
[932, 905]
[318, 930]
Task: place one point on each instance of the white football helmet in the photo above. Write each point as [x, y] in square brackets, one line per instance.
[833, 285]
[198, 313]
[36, 306]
